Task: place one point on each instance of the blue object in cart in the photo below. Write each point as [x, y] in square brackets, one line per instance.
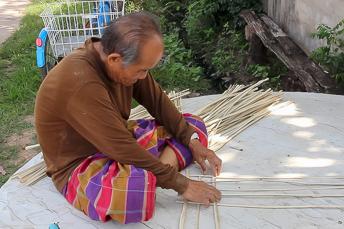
[40, 48]
[103, 18]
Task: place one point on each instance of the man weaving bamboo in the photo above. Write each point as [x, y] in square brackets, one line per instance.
[103, 164]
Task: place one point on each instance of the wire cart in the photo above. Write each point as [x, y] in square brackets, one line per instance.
[68, 23]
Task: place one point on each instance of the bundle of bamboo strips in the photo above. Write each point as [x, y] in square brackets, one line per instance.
[140, 112]
[236, 109]
[32, 174]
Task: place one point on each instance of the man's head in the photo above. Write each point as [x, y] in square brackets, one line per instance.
[133, 45]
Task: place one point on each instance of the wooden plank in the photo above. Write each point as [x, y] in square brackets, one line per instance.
[272, 36]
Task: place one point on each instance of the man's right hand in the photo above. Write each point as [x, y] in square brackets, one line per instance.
[201, 192]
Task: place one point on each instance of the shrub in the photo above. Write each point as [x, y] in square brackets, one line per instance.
[177, 70]
[331, 56]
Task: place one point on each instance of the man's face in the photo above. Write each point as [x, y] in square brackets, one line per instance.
[149, 56]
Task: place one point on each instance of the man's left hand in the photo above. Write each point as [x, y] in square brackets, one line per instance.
[201, 154]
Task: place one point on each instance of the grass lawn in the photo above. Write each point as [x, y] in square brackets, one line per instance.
[19, 81]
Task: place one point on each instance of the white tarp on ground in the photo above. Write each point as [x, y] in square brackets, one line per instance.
[305, 139]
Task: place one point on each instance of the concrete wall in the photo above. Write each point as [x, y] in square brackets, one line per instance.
[300, 18]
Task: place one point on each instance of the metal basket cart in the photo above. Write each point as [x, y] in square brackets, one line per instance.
[68, 23]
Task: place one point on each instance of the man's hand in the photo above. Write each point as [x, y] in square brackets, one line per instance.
[200, 192]
[201, 154]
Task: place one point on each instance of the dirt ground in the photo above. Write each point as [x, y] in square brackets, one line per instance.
[26, 138]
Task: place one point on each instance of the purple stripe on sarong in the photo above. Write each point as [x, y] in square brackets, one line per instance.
[135, 199]
[140, 122]
[198, 123]
[161, 144]
[154, 150]
[144, 127]
[92, 212]
[93, 188]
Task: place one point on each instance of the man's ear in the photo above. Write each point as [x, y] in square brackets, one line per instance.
[114, 59]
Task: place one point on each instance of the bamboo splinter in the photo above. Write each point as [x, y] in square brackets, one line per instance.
[183, 213]
[216, 210]
[276, 206]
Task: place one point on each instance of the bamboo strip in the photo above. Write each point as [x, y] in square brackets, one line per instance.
[37, 177]
[183, 212]
[267, 178]
[28, 178]
[230, 115]
[289, 182]
[29, 170]
[216, 210]
[281, 189]
[285, 195]
[239, 96]
[276, 206]
[198, 211]
[140, 112]
[32, 146]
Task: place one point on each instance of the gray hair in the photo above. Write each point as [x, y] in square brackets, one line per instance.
[128, 33]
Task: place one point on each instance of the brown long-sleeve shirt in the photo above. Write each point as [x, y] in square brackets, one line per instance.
[79, 112]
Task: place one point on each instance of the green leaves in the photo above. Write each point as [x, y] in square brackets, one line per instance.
[177, 70]
[259, 71]
[331, 56]
[202, 37]
[273, 72]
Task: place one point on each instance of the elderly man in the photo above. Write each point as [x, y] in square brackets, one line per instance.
[103, 164]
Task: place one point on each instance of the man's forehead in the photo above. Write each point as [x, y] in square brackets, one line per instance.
[150, 53]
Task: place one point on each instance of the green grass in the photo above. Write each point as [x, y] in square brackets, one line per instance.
[8, 153]
[19, 81]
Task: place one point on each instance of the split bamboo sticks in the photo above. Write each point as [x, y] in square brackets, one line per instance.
[183, 212]
[140, 112]
[237, 108]
[32, 146]
[266, 178]
[32, 175]
[272, 193]
[216, 210]
[275, 206]
[282, 189]
[283, 195]
[185, 204]
[198, 211]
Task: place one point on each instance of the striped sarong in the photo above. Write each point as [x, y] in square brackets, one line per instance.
[104, 189]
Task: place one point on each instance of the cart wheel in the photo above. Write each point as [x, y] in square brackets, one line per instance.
[50, 59]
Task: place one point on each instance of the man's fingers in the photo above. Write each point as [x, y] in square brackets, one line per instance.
[214, 192]
[212, 165]
[218, 167]
[212, 198]
[203, 165]
[216, 164]
[207, 203]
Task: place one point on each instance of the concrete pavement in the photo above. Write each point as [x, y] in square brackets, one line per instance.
[11, 12]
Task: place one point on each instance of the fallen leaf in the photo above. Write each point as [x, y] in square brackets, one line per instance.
[2, 171]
